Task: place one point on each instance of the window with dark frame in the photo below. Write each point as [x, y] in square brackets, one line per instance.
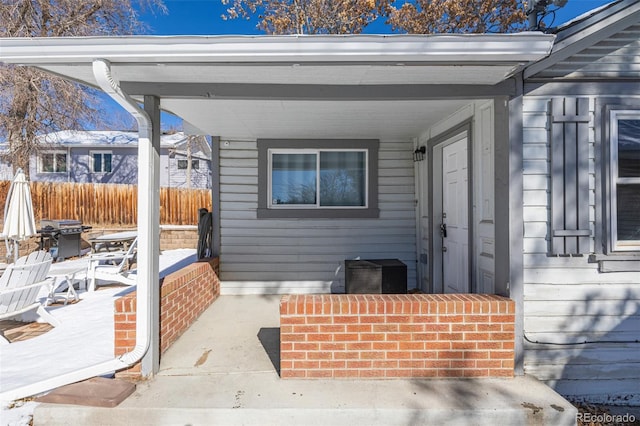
[101, 161]
[317, 178]
[183, 164]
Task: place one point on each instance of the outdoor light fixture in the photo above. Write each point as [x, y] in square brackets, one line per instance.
[418, 154]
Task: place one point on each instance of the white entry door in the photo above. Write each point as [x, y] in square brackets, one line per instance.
[454, 229]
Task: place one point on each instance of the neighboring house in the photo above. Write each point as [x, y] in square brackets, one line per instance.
[501, 164]
[112, 157]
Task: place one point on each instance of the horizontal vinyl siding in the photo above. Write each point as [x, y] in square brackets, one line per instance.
[200, 177]
[282, 252]
[566, 299]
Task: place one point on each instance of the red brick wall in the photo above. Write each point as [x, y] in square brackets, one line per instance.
[184, 295]
[392, 336]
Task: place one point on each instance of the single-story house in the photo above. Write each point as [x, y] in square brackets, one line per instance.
[497, 163]
[112, 157]
[580, 207]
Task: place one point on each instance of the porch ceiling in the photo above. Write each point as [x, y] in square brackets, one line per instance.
[297, 86]
[244, 119]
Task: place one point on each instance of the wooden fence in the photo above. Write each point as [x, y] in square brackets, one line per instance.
[109, 204]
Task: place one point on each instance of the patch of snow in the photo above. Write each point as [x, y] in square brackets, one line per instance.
[583, 16]
[106, 138]
[84, 338]
[19, 414]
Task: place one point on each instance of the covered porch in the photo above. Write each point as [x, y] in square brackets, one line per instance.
[224, 371]
[403, 92]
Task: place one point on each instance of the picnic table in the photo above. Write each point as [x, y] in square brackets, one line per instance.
[113, 242]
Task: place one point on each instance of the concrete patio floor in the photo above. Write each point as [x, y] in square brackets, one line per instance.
[224, 371]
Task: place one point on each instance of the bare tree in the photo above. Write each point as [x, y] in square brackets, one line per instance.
[33, 103]
[459, 16]
[352, 16]
[308, 16]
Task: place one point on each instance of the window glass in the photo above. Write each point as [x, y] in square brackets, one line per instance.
[53, 162]
[629, 148]
[97, 162]
[342, 178]
[61, 163]
[182, 164]
[107, 163]
[328, 178]
[48, 163]
[293, 179]
[628, 220]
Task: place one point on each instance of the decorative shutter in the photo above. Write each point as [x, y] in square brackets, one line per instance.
[570, 232]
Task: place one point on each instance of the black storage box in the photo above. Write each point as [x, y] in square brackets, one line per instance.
[375, 276]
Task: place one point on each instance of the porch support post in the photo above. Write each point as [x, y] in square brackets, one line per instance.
[508, 211]
[149, 227]
[215, 195]
[516, 225]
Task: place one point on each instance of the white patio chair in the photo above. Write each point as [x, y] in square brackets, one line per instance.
[20, 286]
[112, 267]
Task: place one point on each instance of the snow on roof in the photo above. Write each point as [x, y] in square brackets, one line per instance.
[588, 14]
[106, 138]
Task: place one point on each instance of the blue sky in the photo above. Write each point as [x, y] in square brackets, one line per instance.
[203, 17]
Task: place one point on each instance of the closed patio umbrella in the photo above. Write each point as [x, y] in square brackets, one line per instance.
[19, 222]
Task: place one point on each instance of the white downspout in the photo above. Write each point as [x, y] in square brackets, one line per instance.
[102, 73]
[144, 277]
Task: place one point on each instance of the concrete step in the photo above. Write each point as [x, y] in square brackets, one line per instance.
[264, 399]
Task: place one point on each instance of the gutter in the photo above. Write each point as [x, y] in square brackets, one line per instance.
[102, 73]
[287, 49]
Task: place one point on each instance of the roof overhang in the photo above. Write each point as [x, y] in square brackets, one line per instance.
[583, 33]
[226, 85]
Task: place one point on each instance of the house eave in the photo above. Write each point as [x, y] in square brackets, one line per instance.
[597, 27]
[278, 49]
[348, 60]
[303, 83]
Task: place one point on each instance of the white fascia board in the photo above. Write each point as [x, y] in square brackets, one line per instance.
[469, 48]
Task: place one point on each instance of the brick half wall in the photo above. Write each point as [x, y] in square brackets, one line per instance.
[396, 336]
[184, 295]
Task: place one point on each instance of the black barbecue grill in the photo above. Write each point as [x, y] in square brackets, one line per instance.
[61, 237]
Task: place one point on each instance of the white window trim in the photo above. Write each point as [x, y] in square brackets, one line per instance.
[317, 205]
[54, 153]
[618, 246]
[101, 152]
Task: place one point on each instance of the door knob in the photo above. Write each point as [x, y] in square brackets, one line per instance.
[443, 230]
